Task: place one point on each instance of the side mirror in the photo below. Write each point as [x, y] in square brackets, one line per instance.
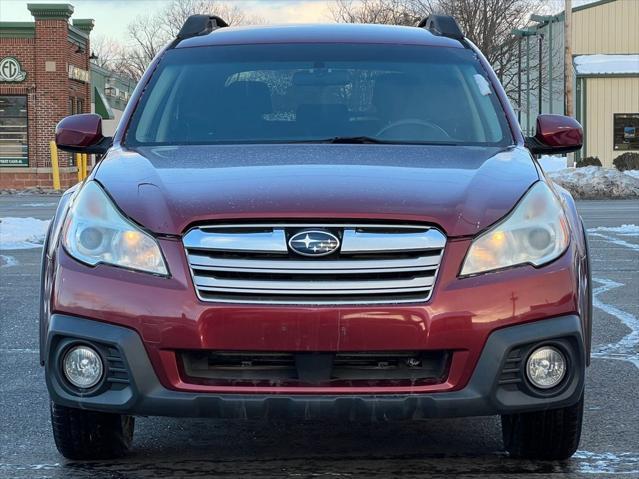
[82, 134]
[555, 134]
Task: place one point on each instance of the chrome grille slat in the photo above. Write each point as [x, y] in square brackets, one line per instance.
[251, 263]
[355, 241]
[318, 293]
[273, 241]
[316, 287]
[419, 263]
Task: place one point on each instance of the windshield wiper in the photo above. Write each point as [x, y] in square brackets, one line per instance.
[356, 140]
[353, 140]
[342, 139]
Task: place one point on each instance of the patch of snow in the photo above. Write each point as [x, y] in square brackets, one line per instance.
[6, 261]
[623, 230]
[633, 173]
[606, 64]
[19, 350]
[553, 163]
[606, 462]
[626, 349]
[22, 233]
[595, 182]
[482, 84]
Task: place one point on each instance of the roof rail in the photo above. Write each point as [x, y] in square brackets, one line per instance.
[197, 25]
[442, 25]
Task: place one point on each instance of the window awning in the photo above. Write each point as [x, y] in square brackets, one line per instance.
[102, 106]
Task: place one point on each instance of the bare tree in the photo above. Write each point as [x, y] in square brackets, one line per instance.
[113, 56]
[388, 12]
[489, 25]
[179, 10]
[106, 51]
[148, 34]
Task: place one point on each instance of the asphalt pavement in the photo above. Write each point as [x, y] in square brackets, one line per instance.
[464, 448]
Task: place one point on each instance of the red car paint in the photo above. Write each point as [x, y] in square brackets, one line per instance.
[79, 131]
[166, 190]
[558, 131]
[459, 316]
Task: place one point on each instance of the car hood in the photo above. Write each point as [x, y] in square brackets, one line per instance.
[461, 189]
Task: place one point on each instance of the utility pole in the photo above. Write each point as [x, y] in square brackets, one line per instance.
[568, 57]
[519, 81]
[570, 157]
[540, 83]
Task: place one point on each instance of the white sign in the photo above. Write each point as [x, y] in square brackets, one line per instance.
[77, 73]
[11, 71]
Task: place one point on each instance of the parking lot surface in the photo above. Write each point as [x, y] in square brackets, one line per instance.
[165, 447]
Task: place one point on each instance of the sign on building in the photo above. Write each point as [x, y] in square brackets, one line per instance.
[11, 70]
[78, 74]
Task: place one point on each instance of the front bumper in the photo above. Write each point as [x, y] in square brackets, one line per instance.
[485, 394]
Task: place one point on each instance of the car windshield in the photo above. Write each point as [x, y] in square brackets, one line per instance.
[288, 93]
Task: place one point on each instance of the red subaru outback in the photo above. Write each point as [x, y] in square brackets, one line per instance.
[336, 221]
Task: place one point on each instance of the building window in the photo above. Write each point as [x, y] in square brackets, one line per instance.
[14, 143]
[76, 105]
[626, 131]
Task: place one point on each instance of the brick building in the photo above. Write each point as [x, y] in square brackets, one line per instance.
[44, 76]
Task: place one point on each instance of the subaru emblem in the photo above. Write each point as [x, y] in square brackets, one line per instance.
[314, 243]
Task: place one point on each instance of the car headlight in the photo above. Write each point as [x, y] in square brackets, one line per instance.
[536, 232]
[96, 232]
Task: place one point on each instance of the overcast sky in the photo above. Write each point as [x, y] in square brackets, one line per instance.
[112, 16]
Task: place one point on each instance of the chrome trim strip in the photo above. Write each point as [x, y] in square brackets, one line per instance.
[420, 263]
[283, 224]
[334, 286]
[261, 242]
[317, 302]
[355, 241]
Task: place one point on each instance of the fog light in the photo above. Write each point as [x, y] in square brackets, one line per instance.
[546, 367]
[82, 366]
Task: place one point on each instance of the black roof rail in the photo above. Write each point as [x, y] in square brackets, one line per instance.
[197, 25]
[442, 25]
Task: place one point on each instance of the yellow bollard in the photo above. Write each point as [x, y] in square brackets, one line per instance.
[84, 166]
[78, 164]
[55, 170]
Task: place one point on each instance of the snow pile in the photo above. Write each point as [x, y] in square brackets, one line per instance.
[22, 233]
[633, 173]
[606, 64]
[552, 163]
[595, 182]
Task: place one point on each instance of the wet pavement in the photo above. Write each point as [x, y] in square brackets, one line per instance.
[463, 448]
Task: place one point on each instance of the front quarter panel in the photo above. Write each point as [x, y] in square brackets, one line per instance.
[583, 270]
[47, 264]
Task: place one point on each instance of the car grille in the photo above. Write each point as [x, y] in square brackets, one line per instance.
[246, 368]
[255, 264]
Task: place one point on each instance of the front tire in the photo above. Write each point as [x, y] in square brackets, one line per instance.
[546, 435]
[81, 434]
